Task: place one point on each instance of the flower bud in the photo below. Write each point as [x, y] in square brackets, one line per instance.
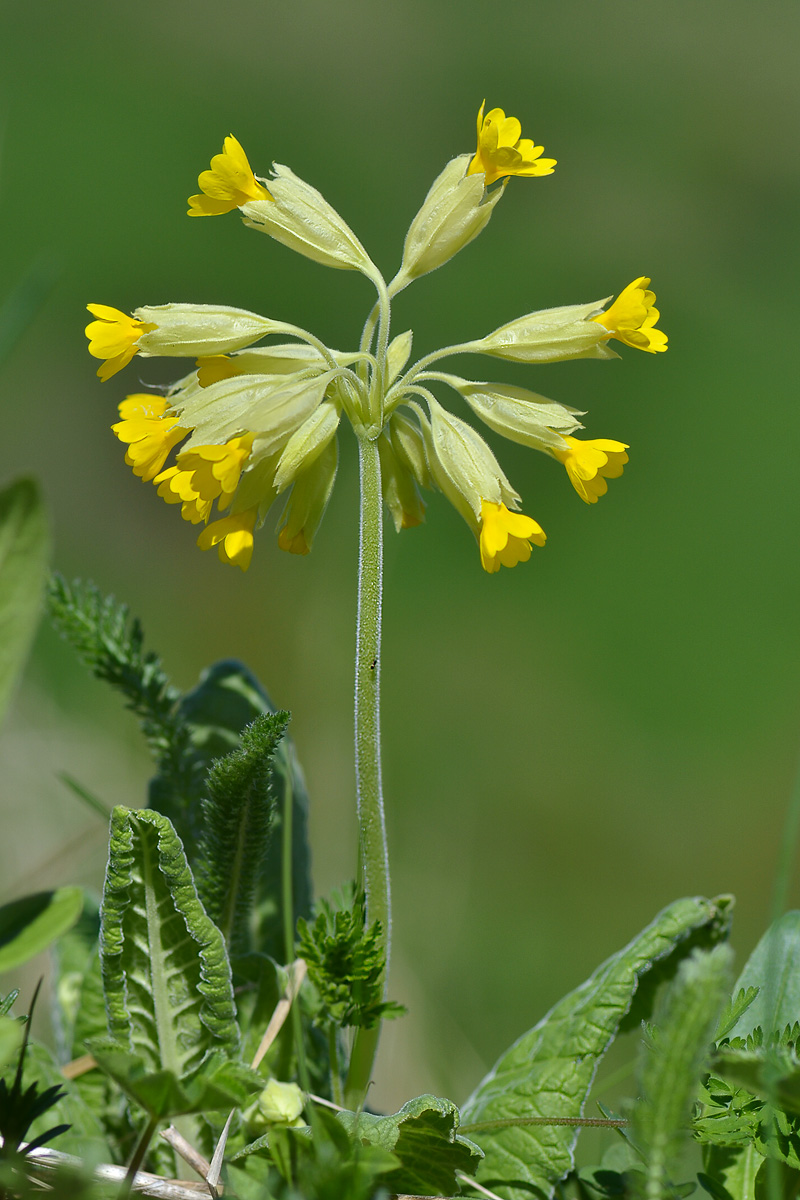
[454, 212]
[409, 447]
[463, 466]
[398, 354]
[278, 1104]
[191, 330]
[399, 489]
[307, 502]
[301, 218]
[551, 335]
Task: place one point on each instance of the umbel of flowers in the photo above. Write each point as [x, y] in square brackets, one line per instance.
[254, 425]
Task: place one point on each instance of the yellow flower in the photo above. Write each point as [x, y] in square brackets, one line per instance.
[150, 434]
[113, 336]
[233, 537]
[229, 184]
[501, 151]
[506, 537]
[632, 318]
[203, 475]
[589, 464]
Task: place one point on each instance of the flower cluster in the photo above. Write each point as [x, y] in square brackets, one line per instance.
[254, 423]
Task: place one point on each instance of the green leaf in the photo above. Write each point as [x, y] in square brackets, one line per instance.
[86, 1135]
[237, 818]
[672, 1058]
[11, 1032]
[30, 924]
[731, 1174]
[773, 968]
[166, 975]
[729, 1117]
[549, 1071]
[24, 554]
[227, 699]
[423, 1135]
[772, 1075]
[734, 1010]
[216, 1084]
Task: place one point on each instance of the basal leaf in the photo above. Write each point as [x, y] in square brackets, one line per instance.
[30, 924]
[424, 1137]
[24, 553]
[773, 968]
[549, 1071]
[166, 975]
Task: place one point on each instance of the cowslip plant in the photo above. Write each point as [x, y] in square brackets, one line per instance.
[259, 424]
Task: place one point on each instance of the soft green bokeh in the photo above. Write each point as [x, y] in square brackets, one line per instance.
[569, 745]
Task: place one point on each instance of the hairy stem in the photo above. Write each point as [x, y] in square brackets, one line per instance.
[374, 858]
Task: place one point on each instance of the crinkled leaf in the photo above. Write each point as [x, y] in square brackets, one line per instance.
[166, 975]
[227, 699]
[424, 1137]
[24, 553]
[773, 968]
[550, 1070]
[30, 924]
[217, 1083]
[237, 818]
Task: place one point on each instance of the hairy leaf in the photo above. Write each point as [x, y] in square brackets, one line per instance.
[30, 924]
[672, 1058]
[166, 974]
[424, 1136]
[24, 553]
[237, 817]
[549, 1071]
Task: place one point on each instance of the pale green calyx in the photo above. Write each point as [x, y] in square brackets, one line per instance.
[397, 355]
[409, 447]
[301, 218]
[307, 442]
[193, 330]
[455, 210]
[278, 1104]
[463, 466]
[307, 502]
[517, 414]
[551, 335]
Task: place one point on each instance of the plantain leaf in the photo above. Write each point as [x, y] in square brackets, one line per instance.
[237, 818]
[166, 975]
[549, 1071]
[24, 553]
[30, 924]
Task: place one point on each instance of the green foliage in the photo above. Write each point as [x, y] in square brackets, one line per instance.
[236, 821]
[30, 924]
[734, 1010]
[24, 554]
[673, 1054]
[21, 1106]
[346, 962]
[111, 644]
[773, 968]
[331, 1165]
[227, 699]
[166, 975]
[549, 1071]
[424, 1136]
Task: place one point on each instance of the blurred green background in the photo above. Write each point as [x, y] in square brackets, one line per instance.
[569, 745]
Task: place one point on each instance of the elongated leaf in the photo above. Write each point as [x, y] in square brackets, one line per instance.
[24, 553]
[424, 1137]
[773, 968]
[29, 925]
[11, 1032]
[237, 818]
[549, 1071]
[731, 1174]
[227, 699]
[672, 1059]
[166, 974]
[217, 1083]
